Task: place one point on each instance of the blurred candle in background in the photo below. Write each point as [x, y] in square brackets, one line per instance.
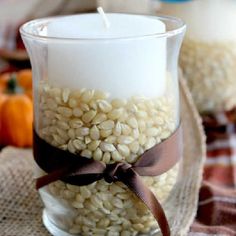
[207, 20]
[208, 55]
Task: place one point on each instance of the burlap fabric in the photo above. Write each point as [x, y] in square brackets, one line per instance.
[21, 208]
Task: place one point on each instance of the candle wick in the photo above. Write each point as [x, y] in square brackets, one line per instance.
[104, 17]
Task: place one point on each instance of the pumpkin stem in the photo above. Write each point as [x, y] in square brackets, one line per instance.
[13, 86]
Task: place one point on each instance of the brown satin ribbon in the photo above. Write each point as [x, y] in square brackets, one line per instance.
[77, 170]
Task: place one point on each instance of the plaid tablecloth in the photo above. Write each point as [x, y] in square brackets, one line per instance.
[217, 200]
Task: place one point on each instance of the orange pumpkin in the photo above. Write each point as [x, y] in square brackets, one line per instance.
[16, 115]
[24, 79]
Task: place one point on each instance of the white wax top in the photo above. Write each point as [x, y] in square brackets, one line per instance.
[207, 20]
[92, 26]
[123, 68]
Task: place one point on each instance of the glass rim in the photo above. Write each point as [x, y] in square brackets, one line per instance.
[180, 26]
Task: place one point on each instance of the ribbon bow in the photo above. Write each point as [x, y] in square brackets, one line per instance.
[77, 170]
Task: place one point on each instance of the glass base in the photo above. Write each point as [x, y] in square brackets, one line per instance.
[52, 229]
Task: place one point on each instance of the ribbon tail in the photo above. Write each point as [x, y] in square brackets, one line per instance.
[134, 182]
[51, 177]
[67, 175]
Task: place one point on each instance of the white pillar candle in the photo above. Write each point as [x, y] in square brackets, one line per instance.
[207, 20]
[120, 59]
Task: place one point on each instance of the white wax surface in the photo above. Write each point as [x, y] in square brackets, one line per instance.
[123, 68]
[92, 26]
[207, 20]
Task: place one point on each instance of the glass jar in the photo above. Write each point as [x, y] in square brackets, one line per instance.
[208, 56]
[108, 98]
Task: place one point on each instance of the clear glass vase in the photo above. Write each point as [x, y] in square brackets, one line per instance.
[109, 99]
[208, 56]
